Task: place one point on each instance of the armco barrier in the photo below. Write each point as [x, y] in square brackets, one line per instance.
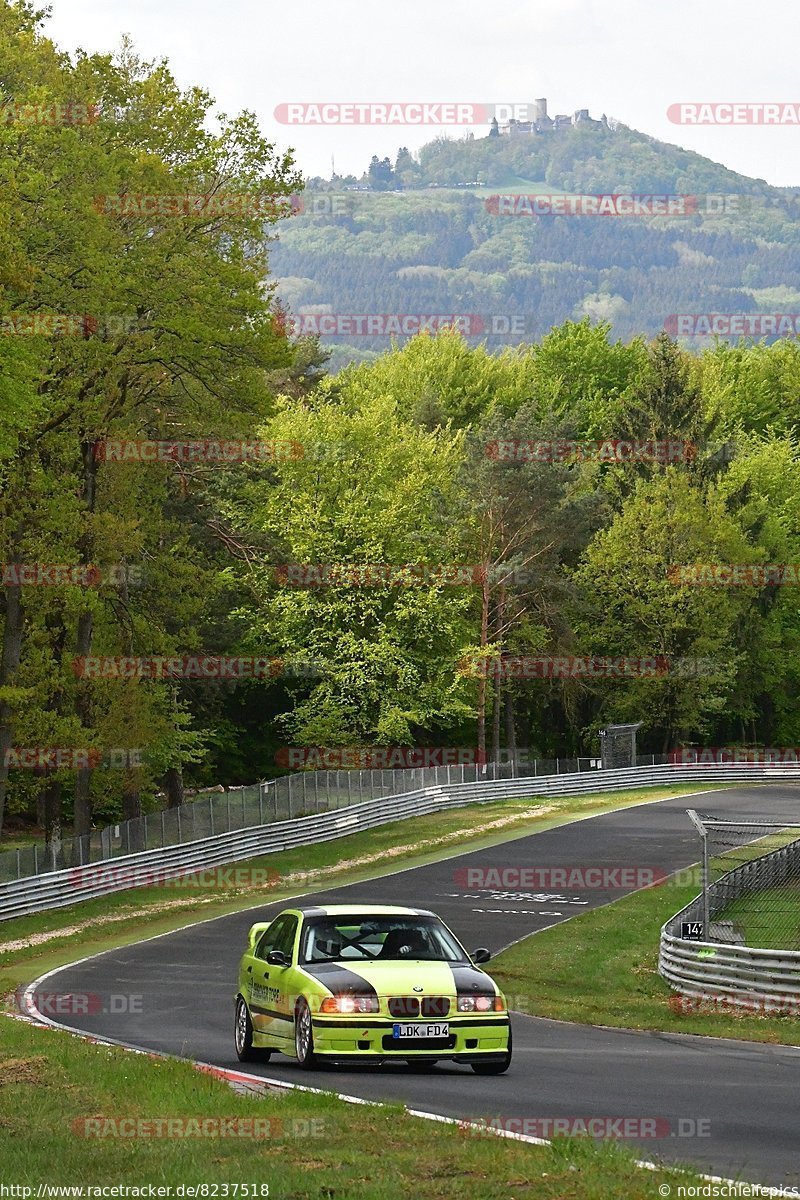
[60, 888]
[722, 970]
[223, 810]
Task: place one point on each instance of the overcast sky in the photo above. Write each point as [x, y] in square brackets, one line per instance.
[629, 60]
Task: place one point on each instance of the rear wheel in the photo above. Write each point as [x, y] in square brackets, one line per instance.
[243, 1034]
[498, 1067]
[304, 1036]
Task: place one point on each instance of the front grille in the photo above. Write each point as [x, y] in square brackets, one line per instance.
[435, 1006]
[410, 1006]
[404, 1006]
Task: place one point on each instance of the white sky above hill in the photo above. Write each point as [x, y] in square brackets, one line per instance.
[629, 60]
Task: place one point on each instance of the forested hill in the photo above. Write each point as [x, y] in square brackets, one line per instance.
[429, 238]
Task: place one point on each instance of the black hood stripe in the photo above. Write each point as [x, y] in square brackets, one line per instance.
[470, 981]
[339, 980]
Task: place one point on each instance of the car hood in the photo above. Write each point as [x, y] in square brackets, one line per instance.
[400, 978]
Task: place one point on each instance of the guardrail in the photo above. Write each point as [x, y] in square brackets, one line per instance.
[723, 970]
[281, 799]
[60, 888]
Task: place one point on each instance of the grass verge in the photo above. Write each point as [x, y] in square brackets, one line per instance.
[769, 919]
[600, 968]
[318, 1147]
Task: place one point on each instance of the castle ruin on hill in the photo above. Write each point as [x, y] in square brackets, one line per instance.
[542, 123]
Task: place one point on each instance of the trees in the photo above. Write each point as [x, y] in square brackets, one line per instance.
[383, 494]
[636, 609]
[175, 340]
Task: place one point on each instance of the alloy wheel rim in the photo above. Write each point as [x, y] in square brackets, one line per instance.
[303, 1032]
[241, 1026]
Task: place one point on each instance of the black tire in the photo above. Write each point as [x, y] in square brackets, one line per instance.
[495, 1068]
[304, 1036]
[243, 1036]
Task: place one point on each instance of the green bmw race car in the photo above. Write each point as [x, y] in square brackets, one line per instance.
[367, 984]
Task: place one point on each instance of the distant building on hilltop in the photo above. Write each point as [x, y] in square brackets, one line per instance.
[542, 123]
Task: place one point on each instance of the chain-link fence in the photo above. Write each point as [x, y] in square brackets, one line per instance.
[751, 882]
[282, 799]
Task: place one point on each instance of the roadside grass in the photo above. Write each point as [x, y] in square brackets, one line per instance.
[34, 944]
[769, 919]
[320, 1148]
[601, 968]
[19, 840]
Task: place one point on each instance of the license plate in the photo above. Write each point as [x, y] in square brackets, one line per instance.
[416, 1029]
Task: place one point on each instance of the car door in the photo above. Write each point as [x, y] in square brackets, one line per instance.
[271, 1005]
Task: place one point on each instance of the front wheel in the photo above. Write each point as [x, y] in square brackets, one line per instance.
[243, 1034]
[304, 1036]
[495, 1068]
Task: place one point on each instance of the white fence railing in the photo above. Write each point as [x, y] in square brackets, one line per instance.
[722, 970]
[60, 888]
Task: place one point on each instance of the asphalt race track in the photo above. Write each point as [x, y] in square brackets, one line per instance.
[749, 1093]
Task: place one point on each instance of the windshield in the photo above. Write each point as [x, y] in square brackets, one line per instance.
[351, 938]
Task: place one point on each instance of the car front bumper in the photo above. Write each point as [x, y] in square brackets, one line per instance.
[471, 1039]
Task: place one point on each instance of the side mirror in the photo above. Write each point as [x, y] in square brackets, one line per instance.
[481, 955]
[276, 958]
[255, 933]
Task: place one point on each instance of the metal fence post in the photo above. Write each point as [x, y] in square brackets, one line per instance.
[290, 796]
[244, 810]
[261, 804]
[701, 829]
[178, 815]
[19, 866]
[163, 831]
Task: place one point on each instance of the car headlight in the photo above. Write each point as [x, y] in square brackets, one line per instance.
[350, 1004]
[481, 1004]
